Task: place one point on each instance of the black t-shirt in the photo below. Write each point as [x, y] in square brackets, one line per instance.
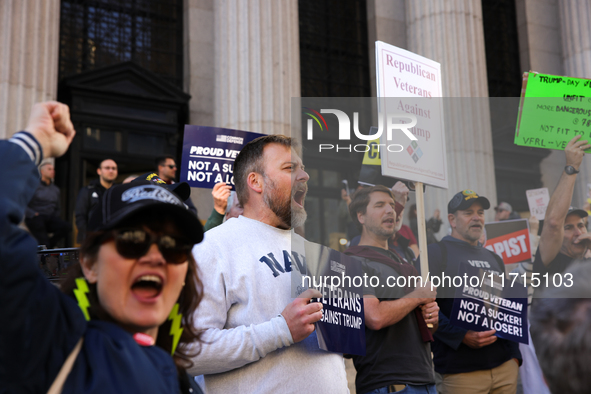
[560, 263]
[395, 354]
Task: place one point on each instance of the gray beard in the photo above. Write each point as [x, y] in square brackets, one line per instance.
[299, 217]
[282, 209]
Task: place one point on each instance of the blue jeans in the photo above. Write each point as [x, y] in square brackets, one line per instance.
[410, 389]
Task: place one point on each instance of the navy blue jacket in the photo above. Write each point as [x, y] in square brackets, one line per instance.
[450, 355]
[40, 325]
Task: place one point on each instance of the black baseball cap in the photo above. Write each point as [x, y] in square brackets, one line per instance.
[464, 200]
[182, 189]
[576, 211]
[120, 202]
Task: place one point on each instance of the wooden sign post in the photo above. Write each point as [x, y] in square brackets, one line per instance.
[422, 229]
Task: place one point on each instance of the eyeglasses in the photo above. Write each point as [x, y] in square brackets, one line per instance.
[135, 243]
[171, 166]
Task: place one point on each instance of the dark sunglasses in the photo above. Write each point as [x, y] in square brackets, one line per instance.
[135, 243]
[171, 166]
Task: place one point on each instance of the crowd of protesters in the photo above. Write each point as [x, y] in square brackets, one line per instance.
[155, 301]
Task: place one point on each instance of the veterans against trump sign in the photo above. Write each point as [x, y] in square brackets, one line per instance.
[510, 240]
[342, 326]
[553, 109]
[407, 88]
[490, 305]
[209, 154]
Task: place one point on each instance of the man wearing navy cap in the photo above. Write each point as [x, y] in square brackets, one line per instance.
[468, 361]
[564, 235]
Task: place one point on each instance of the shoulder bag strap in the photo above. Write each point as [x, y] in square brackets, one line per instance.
[58, 383]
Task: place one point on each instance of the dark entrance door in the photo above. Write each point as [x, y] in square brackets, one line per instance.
[122, 112]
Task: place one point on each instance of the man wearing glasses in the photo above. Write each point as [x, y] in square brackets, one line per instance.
[89, 195]
[166, 170]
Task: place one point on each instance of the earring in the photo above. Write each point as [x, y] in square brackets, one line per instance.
[175, 328]
[80, 292]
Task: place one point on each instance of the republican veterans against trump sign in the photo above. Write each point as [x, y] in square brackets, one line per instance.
[488, 301]
[209, 154]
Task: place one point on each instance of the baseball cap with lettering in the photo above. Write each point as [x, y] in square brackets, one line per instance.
[464, 200]
[121, 202]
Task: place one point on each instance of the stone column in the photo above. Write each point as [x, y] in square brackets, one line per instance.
[386, 21]
[29, 45]
[451, 33]
[575, 19]
[199, 57]
[257, 65]
[242, 67]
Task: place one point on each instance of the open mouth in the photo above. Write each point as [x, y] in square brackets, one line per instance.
[147, 286]
[299, 197]
[388, 221]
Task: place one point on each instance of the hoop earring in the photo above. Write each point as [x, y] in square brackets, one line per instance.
[80, 292]
[175, 328]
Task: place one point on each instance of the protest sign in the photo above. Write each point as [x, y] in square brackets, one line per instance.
[371, 166]
[538, 200]
[553, 109]
[334, 274]
[209, 154]
[510, 240]
[408, 83]
[491, 304]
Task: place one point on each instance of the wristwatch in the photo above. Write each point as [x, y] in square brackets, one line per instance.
[570, 170]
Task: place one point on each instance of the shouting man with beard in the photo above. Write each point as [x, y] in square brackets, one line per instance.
[257, 338]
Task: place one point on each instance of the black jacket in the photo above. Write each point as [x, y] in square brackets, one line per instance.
[88, 197]
[45, 201]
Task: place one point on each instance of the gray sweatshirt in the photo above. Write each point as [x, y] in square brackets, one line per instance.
[245, 266]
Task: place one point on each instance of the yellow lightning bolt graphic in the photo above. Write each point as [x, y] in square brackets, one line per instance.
[80, 293]
[175, 328]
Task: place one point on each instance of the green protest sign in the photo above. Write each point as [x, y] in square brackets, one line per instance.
[552, 110]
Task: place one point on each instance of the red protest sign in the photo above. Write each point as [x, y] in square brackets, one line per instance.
[510, 240]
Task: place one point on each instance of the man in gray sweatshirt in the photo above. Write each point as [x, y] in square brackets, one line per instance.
[257, 338]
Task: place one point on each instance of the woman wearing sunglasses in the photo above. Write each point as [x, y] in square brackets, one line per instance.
[126, 319]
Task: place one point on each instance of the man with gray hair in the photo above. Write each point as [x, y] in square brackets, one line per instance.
[42, 215]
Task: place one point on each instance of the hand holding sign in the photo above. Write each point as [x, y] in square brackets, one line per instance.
[430, 313]
[479, 339]
[575, 150]
[301, 314]
[221, 192]
[425, 294]
[400, 191]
